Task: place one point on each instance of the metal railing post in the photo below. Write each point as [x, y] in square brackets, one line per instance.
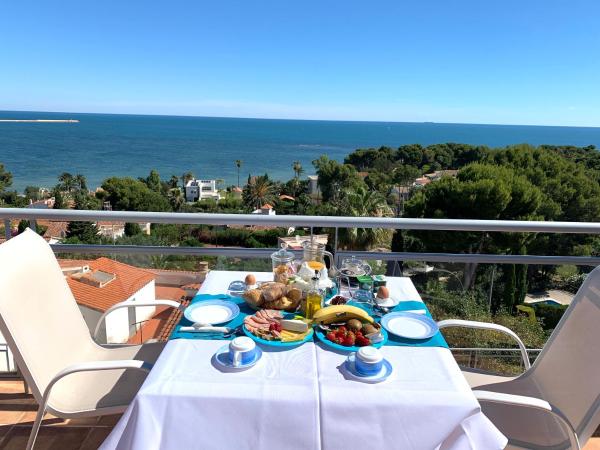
[7, 229]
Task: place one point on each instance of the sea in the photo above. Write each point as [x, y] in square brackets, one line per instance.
[104, 145]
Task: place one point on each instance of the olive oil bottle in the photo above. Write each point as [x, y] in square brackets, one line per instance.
[314, 298]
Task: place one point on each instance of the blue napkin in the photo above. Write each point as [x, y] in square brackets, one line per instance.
[235, 322]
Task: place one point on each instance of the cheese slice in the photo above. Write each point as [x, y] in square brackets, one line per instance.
[294, 325]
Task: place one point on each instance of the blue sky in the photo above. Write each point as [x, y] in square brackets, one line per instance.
[511, 62]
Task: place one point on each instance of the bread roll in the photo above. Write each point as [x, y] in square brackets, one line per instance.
[273, 292]
[253, 297]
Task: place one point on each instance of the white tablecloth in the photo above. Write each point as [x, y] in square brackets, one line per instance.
[299, 399]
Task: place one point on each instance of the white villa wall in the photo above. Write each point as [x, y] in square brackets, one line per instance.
[118, 322]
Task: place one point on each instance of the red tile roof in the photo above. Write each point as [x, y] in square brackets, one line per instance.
[128, 281]
[164, 321]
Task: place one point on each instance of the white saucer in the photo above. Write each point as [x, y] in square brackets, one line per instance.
[222, 359]
[389, 302]
[350, 369]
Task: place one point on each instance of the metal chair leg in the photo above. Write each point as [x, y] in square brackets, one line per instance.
[36, 427]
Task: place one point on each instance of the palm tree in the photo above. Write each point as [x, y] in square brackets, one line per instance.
[186, 177]
[363, 202]
[259, 191]
[176, 198]
[238, 164]
[66, 181]
[297, 167]
[80, 182]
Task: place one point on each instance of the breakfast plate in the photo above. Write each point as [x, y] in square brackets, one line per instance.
[409, 325]
[322, 337]
[350, 370]
[279, 344]
[211, 312]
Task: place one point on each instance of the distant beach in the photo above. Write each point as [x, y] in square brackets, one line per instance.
[103, 145]
[40, 120]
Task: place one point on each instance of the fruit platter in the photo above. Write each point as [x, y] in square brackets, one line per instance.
[347, 328]
[275, 328]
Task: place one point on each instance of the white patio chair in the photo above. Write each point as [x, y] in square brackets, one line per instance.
[554, 404]
[70, 375]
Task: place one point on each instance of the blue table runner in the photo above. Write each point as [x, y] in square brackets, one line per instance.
[435, 341]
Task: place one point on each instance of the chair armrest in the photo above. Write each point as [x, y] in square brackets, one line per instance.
[88, 366]
[488, 326]
[93, 366]
[529, 402]
[127, 304]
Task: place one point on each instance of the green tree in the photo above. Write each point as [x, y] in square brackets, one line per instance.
[335, 177]
[258, 191]
[127, 194]
[297, 168]
[238, 164]
[59, 200]
[173, 182]
[176, 198]
[32, 193]
[481, 191]
[186, 177]
[132, 228]
[5, 178]
[66, 181]
[84, 232]
[153, 181]
[364, 202]
[80, 182]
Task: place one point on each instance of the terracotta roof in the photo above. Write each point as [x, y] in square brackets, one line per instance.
[237, 189]
[266, 206]
[128, 281]
[169, 292]
[164, 320]
[286, 197]
[55, 229]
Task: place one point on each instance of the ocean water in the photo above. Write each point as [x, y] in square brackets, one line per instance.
[103, 145]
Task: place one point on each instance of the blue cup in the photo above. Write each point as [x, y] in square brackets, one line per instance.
[242, 351]
[368, 361]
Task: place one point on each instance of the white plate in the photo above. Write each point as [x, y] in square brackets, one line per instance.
[211, 312]
[409, 325]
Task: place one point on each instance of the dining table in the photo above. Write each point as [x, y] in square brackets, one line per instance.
[300, 397]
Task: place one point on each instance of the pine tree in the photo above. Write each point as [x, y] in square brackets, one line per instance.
[85, 232]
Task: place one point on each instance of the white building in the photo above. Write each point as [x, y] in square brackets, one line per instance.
[99, 284]
[201, 189]
[266, 210]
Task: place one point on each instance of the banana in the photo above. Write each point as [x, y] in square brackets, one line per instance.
[341, 313]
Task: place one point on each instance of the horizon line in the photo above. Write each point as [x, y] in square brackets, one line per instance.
[301, 120]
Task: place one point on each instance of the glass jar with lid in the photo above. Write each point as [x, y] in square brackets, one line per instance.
[283, 264]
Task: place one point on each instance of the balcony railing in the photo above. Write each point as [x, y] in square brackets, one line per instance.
[335, 223]
[471, 356]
